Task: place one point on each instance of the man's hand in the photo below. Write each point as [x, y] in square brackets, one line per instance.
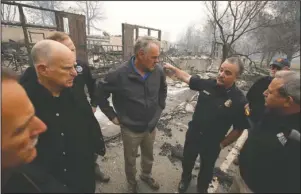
[93, 109]
[116, 121]
[168, 66]
[172, 70]
[169, 70]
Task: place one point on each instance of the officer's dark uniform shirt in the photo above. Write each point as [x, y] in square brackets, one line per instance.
[269, 160]
[216, 110]
[66, 150]
[84, 77]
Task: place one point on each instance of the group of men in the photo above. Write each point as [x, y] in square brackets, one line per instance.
[51, 138]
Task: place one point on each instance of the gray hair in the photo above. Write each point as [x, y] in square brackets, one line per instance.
[144, 43]
[237, 61]
[41, 51]
[291, 85]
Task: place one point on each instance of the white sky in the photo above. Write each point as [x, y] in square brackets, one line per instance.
[172, 17]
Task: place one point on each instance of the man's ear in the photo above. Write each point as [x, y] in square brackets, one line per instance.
[141, 53]
[289, 102]
[41, 69]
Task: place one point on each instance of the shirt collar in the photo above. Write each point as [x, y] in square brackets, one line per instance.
[132, 62]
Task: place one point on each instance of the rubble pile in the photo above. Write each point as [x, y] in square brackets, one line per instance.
[223, 178]
[174, 153]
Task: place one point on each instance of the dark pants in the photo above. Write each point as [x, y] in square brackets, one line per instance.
[193, 147]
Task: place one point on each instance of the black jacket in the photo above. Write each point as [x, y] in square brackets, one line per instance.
[30, 179]
[256, 98]
[66, 150]
[269, 160]
[138, 103]
[84, 77]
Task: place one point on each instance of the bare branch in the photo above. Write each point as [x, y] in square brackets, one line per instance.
[234, 18]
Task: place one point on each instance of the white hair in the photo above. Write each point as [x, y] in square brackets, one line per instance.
[291, 85]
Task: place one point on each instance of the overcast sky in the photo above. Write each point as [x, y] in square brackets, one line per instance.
[172, 17]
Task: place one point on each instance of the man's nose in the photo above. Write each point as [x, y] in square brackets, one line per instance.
[74, 72]
[265, 93]
[38, 128]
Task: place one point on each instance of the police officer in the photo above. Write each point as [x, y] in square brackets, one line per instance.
[84, 77]
[270, 157]
[220, 105]
[255, 94]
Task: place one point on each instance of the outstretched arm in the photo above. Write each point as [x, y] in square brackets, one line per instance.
[182, 75]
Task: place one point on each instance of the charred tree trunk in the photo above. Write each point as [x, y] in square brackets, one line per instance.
[225, 50]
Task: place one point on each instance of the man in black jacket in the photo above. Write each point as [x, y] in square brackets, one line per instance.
[220, 105]
[83, 78]
[66, 150]
[20, 131]
[270, 157]
[139, 91]
[255, 94]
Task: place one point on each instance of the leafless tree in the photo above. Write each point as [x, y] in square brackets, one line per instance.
[282, 37]
[286, 36]
[8, 12]
[237, 19]
[93, 10]
[46, 18]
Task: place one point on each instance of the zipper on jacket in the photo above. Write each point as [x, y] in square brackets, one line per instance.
[145, 99]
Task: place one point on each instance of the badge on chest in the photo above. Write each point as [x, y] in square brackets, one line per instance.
[79, 69]
[206, 92]
[228, 103]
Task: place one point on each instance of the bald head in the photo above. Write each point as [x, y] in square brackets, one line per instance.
[45, 51]
[54, 63]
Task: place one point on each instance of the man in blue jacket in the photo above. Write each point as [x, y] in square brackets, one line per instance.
[139, 91]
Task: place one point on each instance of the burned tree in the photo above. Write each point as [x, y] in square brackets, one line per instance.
[8, 12]
[93, 10]
[237, 19]
[46, 18]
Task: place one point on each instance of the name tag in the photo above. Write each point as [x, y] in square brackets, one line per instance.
[79, 69]
[282, 138]
[206, 92]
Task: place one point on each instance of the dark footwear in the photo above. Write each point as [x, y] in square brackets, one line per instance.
[101, 176]
[183, 185]
[150, 182]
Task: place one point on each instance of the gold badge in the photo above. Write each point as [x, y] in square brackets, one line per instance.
[279, 60]
[247, 111]
[228, 103]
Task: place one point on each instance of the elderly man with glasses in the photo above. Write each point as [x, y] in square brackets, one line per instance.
[270, 158]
